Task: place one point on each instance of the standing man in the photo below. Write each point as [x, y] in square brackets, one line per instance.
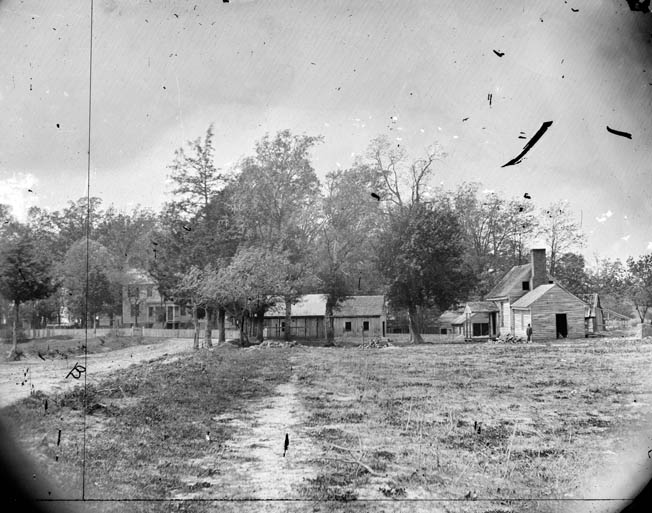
[528, 332]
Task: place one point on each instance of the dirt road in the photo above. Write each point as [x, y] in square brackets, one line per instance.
[17, 379]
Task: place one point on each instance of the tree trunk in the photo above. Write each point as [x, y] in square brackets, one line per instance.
[221, 318]
[14, 334]
[330, 330]
[195, 324]
[209, 328]
[415, 329]
[260, 326]
[244, 339]
[288, 319]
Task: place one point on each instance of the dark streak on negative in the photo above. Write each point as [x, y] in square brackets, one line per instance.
[528, 146]
[618, 132]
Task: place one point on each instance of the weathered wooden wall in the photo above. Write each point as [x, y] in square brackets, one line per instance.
[557, 301]
[375, 326]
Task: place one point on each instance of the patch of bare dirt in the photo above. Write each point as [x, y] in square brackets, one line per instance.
[252, 464]
[19, 379]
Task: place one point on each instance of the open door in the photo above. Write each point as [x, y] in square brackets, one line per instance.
[562, 325]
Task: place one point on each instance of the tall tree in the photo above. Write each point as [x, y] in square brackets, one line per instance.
[640, 288]
[346, 247]
[609, 278]
[25, 273]
[196, 227]
[276, 204]
[422, 259]
[560, 230]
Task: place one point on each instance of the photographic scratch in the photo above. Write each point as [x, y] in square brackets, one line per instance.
[530, 144]
[619, 132]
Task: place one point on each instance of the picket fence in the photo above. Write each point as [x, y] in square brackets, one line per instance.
[119, 332]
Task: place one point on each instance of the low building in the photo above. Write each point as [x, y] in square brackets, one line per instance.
[551, 311]
[357, 316]
[593, 314]
[306, 321]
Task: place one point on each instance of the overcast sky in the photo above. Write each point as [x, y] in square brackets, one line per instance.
[163, 71]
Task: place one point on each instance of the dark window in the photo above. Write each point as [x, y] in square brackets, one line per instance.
[444, 331]
[183, 310]
[135, 310]
[347, 326]
[526, 285]
[283, 327]
[151, 311]
[480, 329]
[365, 325]
[149, 291]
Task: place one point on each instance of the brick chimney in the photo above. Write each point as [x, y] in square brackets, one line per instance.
[538, 265]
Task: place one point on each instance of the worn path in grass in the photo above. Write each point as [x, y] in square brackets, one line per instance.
[251, 465]
[17, 379]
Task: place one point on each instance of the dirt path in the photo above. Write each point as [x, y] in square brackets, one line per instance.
[252, 465]
[17, 379]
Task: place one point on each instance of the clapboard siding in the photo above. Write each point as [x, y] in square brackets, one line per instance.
[557, 301]
[375, 326]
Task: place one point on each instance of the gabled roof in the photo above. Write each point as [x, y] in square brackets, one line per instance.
[516, 275]
[360, 306]
[533, 295]
[310, 305]
[461, 319]
[481, 306]
[448, 316]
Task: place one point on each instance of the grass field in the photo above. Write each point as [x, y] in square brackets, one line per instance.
[438, 427]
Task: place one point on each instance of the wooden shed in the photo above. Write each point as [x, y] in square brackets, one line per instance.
[552, 311]
[360, 316]
[446, 322]
[307, 318]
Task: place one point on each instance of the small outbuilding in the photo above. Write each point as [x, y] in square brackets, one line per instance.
[552, 311]
[307, 318]
[360, 316]
[480, 320]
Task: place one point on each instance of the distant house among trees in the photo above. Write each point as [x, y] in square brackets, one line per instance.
[527, 295]
[142, 304]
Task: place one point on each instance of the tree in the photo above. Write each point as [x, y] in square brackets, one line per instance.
[496, 231]
[640, 288]
[276, 199]
[346, 246]
[571, 273]
[254, 281]
[25, 274]
[196, 228]
[609, 278]
[560, 231]
[92, 280]
[422, 259]
[403, 182]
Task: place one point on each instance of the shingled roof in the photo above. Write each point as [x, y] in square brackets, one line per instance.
[310, 305]
[533, 295]
[481, 306]
[516, 274]
[360, 306]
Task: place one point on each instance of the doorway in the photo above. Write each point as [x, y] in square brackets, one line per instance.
[562, 325]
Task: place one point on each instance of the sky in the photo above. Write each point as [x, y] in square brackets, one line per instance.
[419, 72]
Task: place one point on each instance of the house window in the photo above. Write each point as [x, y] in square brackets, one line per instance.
[365, 325]
[183, 310]
[135, 310]
[151, 312]
[282, 327]
[480, 329]
[444, 331]
[149, 291]
[526, 285]
[347, 326]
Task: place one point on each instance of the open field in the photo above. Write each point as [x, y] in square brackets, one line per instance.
[480, 427]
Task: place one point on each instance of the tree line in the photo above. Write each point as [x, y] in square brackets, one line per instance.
[235, 242]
